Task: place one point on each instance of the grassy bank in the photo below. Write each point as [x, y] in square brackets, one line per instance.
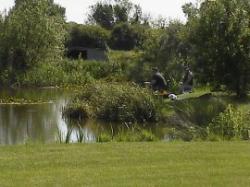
[114, 103]
[201, 115]
[127, 164]
[119, 67]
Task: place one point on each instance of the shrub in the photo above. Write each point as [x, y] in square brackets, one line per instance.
[117, 103]
[127, 37]
[92, 36]
[62, 73]
[199, 111]
[229, 124]
[75, 72]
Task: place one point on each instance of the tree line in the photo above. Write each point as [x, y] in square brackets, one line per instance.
[214, 41]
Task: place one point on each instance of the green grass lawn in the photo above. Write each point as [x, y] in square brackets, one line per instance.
[127, 164]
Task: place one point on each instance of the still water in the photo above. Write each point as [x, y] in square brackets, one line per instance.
[38, 121]
[41, 119]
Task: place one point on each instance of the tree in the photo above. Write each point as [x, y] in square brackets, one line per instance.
[108, 14]
[102, 14]
[220, 34]
[86, 36]
[168, 50]
[189, 10]
[33, 33]
[122, 9]
[126, 37]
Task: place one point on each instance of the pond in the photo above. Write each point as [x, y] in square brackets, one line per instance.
[35, 115]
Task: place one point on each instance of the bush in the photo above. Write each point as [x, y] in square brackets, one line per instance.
[62, 73]
[127, 37]
[199, 111]
[77, 112]
[33, 32]
[229, 124]
[121, 66]
[86, 36]
[117, 103]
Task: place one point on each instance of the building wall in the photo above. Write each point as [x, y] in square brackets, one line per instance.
[96, 54]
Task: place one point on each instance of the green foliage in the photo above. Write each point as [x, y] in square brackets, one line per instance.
[51, 75]
[77, 111]
[198, 111]
[129, 66]
[116, 103]
[172, 43]
[186, 134]
[168, 50]
[220, 34]
[86, 36]
[135, 134]
[64, 73]
[108, 14]
[33, 33]
[122, 9]
[229, 124]
[126, 37]
[103, 137]
[119, 67]
[102, 14]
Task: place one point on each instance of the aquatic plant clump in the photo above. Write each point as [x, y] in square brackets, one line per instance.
[229, 124]
[114, 103]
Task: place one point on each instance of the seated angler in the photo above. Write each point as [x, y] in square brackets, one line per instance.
[158, 82]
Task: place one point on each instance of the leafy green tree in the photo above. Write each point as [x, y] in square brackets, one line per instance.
[168, 50]
[102, 13]
[122, 9]
[189, 10]
[33, 33]
[86, 36]
[220, 34]
[107, 14]
[126, 37]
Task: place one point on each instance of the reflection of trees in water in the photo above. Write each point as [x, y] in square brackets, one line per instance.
[19, 123]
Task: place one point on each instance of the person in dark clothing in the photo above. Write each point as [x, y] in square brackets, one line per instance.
[158, 82]
[187, 83]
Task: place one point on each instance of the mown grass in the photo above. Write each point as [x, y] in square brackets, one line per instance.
[127, 164]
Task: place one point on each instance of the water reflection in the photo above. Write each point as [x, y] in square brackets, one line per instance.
[42, 121]
[30, 122]
[81, 133]
[21, 123]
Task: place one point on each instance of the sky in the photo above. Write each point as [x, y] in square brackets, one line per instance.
[77, 10]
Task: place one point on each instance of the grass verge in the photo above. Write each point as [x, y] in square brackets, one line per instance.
[127, 164]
